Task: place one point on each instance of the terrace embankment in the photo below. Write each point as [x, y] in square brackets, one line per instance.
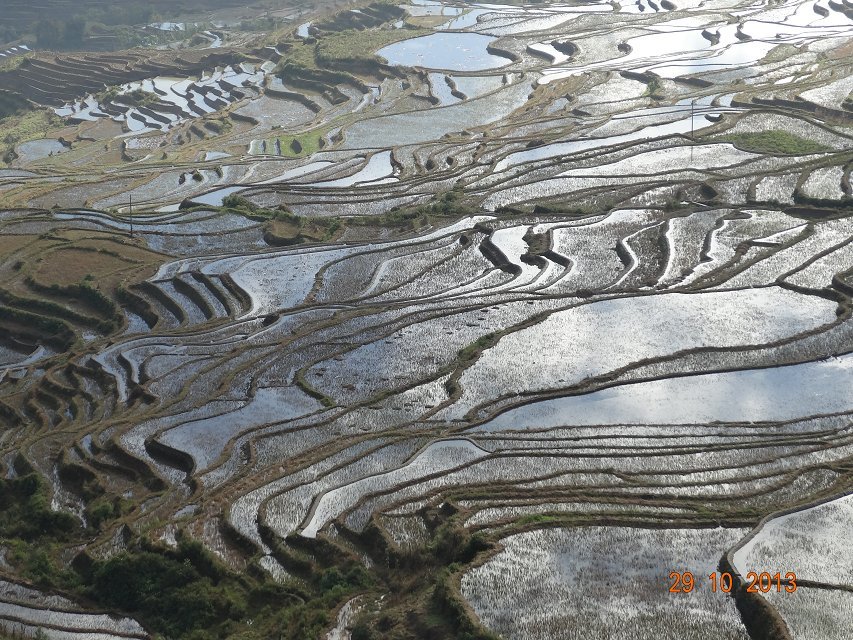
[368, 17]
[56, 80]
[501, 310]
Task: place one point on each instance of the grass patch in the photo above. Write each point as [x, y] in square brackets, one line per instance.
[427, 22]
[468, 354]
[66, 282]
[15, 62]
[301, 55]
[450, 204]
[654, 88]
[73, 265]
[283, 227]
[779, 53]
[346, 47]
[360, 46]
[32, 124]
[774, 141]
[71, 258]
[135, 98]
[219, 126]
[299, 146]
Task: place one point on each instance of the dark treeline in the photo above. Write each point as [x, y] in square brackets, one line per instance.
[52, 33]
[60, 34]
[67, 28]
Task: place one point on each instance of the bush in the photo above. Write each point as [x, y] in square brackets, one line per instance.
[133, 582]
[25, 511]
[185, 592]
[247, 207]
[303, 621]
[233, 201]
[362, 631]
[167, 593]
[448, 204]
[775, 141]
[103, 510]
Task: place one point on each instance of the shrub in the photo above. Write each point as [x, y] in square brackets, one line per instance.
[25, 511]
[774, 141]
[100, 513]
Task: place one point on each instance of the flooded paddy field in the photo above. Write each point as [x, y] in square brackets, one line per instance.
[462, 319]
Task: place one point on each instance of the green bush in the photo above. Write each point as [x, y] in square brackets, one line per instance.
[233, 201]
[101, 511]
[25, 511]
[168, 593]
[361, 631]
[247, 207]
[774, 141]
[181, 593]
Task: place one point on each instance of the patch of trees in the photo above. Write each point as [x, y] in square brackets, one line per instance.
[11, 104]
[173, 592]
[58, 33]
[84, 292]
[129, 13]
[186, 592]
[244, 206]
[51, 33]
[10, 32]
[449, 204]
[25, 511]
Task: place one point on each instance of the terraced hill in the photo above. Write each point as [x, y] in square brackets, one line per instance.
[24, 13]
[418, 320]
[56, 81]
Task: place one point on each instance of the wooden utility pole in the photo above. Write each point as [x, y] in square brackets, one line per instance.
[130, 195]
[692, 127]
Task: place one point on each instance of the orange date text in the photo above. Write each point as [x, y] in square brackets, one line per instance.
[764, 582]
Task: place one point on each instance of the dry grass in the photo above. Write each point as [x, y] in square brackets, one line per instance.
[74, 257]
[73, 265]
[10, 245]
[428, 22]
[844, 52]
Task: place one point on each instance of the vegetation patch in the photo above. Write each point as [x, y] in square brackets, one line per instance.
[304, 144]
[282, 227]
[74, 265]
[184, 592]
[135, 98]
[12, 104]
[25, 511]
[774, 141]
[451, 204]
[340, 49]
[360, 46]
[25, 125]
[422, 599]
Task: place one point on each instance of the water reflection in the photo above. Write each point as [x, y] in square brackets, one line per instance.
[450, 51]
[754, 395]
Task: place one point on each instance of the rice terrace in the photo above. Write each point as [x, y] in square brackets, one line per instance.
[426, 319]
